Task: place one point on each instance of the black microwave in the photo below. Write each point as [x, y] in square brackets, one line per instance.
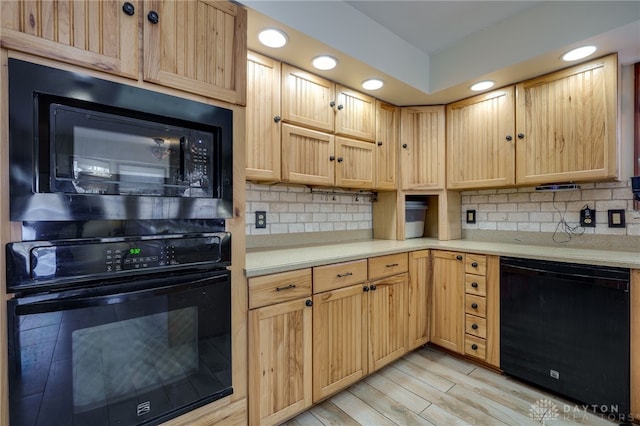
[84, 148]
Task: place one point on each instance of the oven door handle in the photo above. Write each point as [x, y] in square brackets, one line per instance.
[79, 301]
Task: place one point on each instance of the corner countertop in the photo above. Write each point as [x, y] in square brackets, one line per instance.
[264, 262]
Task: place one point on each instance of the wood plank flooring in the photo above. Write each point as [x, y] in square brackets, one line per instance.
[431, 387]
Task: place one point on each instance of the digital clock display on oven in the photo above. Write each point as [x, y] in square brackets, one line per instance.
[135, 250]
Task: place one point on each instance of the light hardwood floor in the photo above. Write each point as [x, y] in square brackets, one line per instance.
[430, 387]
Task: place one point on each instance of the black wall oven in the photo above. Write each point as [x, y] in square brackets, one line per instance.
[83, 148]
[125, 332]
[121, 285]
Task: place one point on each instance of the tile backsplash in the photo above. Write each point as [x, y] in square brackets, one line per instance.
[526, 210]
[294, 209]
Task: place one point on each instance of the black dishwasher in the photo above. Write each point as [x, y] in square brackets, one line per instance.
[565, 327]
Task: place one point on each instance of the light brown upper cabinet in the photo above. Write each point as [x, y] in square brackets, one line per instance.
[356, 164]
[263, 118]
[566, 124]
[387, 125]
[198, 46]
[308, 156]
[317, 103]
[355, 114]
[481, 141]
[422, 152]
[307, 100]
[95, 34]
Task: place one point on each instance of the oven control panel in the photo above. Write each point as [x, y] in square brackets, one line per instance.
[34, 262]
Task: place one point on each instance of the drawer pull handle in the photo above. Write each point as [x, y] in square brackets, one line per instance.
[458, 257]
[308, 302]
[393, 265]
[346, 274]
[474, 305]
[287, 287]
[474, 284]
[474, 347]
[474, 326]
[474, 264]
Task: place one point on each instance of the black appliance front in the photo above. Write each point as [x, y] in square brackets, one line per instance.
[565, 327]
[127, 352]
[82, 148]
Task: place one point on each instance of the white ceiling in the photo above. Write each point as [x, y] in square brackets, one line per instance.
[430, 52]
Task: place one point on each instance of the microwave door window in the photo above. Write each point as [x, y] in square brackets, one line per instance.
[111, 155]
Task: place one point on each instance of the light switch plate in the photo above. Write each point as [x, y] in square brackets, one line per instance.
[471, 216]
[616, 219]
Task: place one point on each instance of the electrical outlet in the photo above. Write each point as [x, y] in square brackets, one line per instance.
[261, 219]
[587, 217]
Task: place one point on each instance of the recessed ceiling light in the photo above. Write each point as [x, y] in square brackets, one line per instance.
[372, 84]
[482, 85]
[579, 53]
[272, 38]
[324, 62]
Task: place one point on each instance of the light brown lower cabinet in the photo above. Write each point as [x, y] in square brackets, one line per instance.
[339, 339]
[447, 301]
[279, 361]
[419, 298]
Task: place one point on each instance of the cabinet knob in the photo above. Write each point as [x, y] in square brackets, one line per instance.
[459, 257]
[474, 326]
[404, 145]
[308, 302]
[332, 104]
[277, 118]
[509, 138]
[340, 107]
[340, 159]
[332, 157]
[474, 305]
[128, 9]
[474, 347]
[373, 287]
[153, 17]
[520, 135]
[474, 284]
[474, 264]
[379, 143]
[365, 288]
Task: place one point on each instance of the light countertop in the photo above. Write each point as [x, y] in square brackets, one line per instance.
[263, 262]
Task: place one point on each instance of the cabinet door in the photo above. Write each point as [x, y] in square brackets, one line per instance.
[89, 33]
[566, 124]
[307, 99]
[307, 156]
[387, 320]
[339, 339]
[355, 114]
[481, 141]
[419, 298]
[387, 122]
[422, 141]
[279, 361]
[356, 166]
[198, 46]
[448, 300]
[263, 118]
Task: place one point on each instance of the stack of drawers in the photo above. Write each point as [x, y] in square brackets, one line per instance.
[475, 306]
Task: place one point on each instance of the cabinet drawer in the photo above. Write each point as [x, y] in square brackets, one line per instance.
[475, 346]
[276, 288]
[475, 305]
[339, 275]
[475, 326]
[476, 264]
[384, 266]
[475, 284]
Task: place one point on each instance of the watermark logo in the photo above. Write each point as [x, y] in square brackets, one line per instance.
[543, 411]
